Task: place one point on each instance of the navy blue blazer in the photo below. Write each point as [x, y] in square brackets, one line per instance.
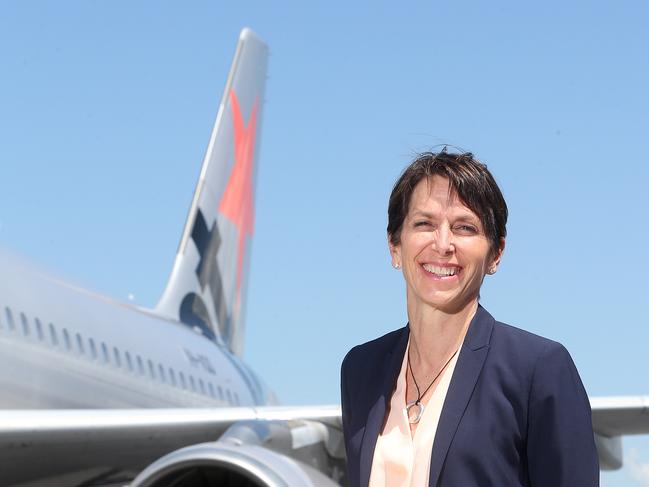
[515, 414]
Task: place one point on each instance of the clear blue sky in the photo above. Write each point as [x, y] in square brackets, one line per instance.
[106, 108]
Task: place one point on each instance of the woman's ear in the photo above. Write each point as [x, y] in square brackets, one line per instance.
[498, 255]
[395, 253]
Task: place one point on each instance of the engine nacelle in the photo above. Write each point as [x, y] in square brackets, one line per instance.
[255, 454]
[609, 451]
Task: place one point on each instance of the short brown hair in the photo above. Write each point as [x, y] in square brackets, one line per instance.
[468, 178]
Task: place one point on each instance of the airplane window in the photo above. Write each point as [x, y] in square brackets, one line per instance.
[172, 376]
[25, 323]
[39, 329]
[104, 352]
[118, 359]
[229, 395]
[220, 393]
[151, 369]
[192, 383]
[129, 362]
[53, 337]
[93, 349]
[161, 372]
[210, 388]
[66, 339]
[201, 386]
[80, 343]
[10, 318]
[182, 380]
[140, 365]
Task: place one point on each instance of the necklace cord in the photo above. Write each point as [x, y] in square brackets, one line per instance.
[419, 396]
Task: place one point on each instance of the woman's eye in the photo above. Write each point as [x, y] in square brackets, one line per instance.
[421, 224]
[466, 229]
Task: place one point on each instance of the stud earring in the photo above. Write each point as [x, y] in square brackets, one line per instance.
[396, 265]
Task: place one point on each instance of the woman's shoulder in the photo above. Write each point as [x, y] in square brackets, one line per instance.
[504, 331]
[516, 333]
[508, 341]
[377, 348]
[523, 361]
[524, 346]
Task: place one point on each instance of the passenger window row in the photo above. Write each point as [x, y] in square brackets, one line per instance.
[121, 360]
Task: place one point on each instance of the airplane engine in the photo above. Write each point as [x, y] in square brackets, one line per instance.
[255, 454]
[609, 450]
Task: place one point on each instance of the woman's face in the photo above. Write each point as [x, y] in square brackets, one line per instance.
[444, 251]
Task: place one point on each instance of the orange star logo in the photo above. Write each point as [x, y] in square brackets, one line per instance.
[237, 200]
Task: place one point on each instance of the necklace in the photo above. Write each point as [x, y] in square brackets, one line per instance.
[417, 403]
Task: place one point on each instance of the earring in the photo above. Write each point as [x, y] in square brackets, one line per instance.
[396, 265]
[491, 271]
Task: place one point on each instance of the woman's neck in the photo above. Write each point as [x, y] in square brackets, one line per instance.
[436, 334]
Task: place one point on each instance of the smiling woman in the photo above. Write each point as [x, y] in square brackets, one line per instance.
[456, 398]
[443, 249]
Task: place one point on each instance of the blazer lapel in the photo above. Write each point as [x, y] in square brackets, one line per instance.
[376, 415]
[467, 370]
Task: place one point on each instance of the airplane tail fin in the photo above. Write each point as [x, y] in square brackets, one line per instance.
[207, 286]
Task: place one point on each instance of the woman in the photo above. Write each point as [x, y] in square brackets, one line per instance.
[456, 398]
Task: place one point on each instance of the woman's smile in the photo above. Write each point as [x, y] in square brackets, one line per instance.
[442, 272]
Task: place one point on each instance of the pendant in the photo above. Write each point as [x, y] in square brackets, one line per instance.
[414, 419]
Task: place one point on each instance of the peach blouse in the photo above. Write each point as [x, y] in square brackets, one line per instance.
[401, 459]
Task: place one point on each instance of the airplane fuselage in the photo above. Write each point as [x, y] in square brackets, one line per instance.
[64, 347]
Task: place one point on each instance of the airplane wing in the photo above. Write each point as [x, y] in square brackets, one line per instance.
[617, 416]
[110, 446]
[614, 417]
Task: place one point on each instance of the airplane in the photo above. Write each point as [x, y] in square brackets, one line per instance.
[100, 392]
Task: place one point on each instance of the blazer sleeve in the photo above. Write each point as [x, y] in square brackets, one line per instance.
[345, 403]
[561, 448]
[345, 400]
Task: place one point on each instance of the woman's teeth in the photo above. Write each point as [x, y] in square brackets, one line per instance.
[440, 271]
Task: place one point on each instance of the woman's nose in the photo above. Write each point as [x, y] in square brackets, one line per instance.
[443, 241]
